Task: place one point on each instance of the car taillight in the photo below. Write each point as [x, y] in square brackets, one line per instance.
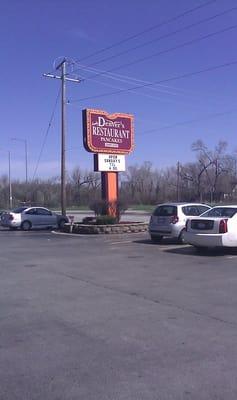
[186, 225]
[223, 226]
[174, 219]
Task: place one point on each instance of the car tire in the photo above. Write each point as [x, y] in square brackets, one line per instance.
[156, 239]
[26, 225]
[181, 237]
[61, 223]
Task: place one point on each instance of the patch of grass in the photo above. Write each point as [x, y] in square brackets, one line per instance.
[142, 207]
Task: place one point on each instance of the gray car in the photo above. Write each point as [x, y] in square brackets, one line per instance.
[169, 219]
[26, 218]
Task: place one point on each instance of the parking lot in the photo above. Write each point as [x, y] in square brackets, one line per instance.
[115, 318]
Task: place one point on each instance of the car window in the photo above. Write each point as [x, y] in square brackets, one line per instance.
[165, 211]
[32, 211]
[221, 212]
[190, 210]
[43, 211]
[19, 210]
[202, 209]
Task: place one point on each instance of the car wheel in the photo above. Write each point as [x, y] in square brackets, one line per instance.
[156, 239]
[181, 237]
[61, 223]
[26, 225]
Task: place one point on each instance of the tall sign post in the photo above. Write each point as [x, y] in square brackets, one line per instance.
[110, 137]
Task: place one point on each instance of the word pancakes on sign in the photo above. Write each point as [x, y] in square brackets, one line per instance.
[108, 133]
[109, 162]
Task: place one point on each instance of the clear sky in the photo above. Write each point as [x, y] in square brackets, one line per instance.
[169, 116]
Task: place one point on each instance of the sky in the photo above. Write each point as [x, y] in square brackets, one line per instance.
[114, 46]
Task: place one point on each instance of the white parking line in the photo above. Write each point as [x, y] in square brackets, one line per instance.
[122, 241]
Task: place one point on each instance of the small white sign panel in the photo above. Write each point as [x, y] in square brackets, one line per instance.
[111, 162]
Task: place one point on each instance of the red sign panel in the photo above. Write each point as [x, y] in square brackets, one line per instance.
[108, 133]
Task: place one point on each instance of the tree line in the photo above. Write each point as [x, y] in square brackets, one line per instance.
[211, 178]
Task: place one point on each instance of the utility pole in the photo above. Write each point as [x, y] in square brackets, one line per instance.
[9, 180]
[64, 78]
[178, 181]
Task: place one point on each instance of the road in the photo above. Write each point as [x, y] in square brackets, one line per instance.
[115, 318]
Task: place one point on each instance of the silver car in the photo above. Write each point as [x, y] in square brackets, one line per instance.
[169, 219]
[26, 218]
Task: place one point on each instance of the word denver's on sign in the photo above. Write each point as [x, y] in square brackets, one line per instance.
[108, 133]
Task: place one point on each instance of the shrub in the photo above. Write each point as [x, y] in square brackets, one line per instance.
[106, 220]
[102, 207]
[89, 220]
[99, 207]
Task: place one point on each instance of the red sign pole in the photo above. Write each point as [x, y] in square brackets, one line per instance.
[109, 185]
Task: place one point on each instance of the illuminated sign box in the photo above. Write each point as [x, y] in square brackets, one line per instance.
[108, 133]
[109, 162]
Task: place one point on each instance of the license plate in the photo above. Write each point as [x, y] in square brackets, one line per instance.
[161, 220]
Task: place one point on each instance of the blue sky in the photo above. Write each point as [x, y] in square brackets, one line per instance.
[168, 117]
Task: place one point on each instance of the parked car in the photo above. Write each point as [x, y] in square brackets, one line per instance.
[169, 219]
[32, 217]
[215, 228]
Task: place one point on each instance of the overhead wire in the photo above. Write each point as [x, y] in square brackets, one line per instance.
[160, 24]
[162, 99]
[46, 134]
[164, 36]
[191, 121]
[166, 89]
[171, 49]
[177, 77]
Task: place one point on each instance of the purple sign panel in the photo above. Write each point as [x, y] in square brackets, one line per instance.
[108, 133]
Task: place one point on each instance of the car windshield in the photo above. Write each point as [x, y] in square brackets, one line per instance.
[220, 212]
[19, 210]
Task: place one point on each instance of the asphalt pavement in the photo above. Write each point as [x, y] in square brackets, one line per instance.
[115, 317]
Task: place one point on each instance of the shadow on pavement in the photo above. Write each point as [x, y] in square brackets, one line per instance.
[190, 250]
[164, 242]
[185, 249]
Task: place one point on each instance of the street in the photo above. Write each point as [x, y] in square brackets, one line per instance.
[115, 317]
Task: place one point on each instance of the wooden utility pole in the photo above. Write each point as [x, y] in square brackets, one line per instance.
[178, 182]
[64, 78]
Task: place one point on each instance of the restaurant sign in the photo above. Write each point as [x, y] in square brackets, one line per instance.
[108, 133]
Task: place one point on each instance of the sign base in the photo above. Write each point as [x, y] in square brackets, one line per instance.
[109, 186]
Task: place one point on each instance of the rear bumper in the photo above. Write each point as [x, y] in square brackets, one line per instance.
[210, 240]
[173, 232]
[11, 224]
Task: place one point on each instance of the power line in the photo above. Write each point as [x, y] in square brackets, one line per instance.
[182, 45]
[46, 133]
[164, 36]
[186, 75]
[130, 79]
[159, 98]
[191, 121]
[175, 18]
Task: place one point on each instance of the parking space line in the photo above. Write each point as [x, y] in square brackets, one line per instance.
[122, 241]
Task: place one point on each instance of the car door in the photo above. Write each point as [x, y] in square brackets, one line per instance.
[30, 215]
[46, 218]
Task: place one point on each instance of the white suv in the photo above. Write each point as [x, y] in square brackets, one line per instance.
[169, 219]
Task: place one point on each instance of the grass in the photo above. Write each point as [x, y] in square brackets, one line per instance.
[142, 207]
